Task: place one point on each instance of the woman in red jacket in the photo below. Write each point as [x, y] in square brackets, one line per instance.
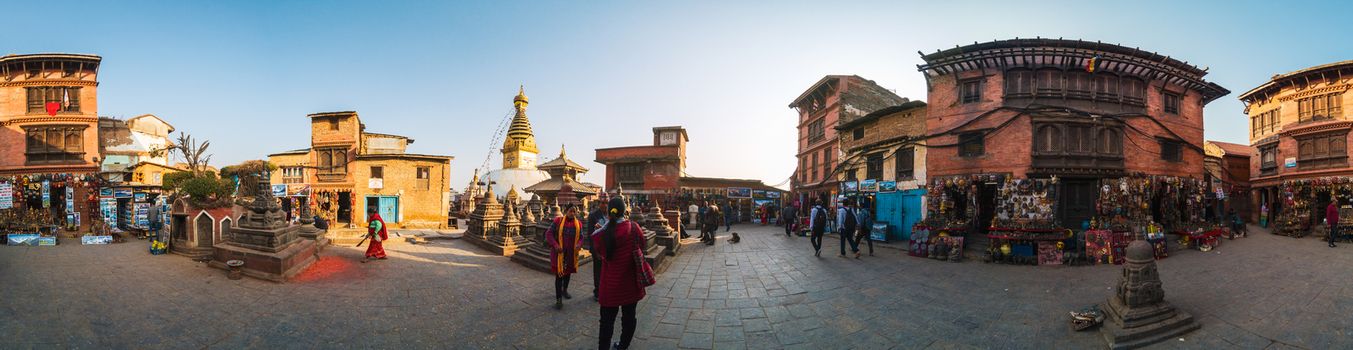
[619, 291]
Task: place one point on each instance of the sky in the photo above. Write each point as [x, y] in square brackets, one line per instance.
[601, 74]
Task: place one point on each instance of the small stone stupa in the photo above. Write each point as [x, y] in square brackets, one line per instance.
[1137, 313]
[270, 247]
[486, 227]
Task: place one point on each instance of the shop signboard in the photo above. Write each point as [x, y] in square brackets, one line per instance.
[22, 239]
[879, 232]
[6, 195]
[758, 193]
[122, 193]
[850, 186]
[46, 241]
[96, 239]
[1290, 162]
[772, 194]
[46, 194]
[298, 190]
[279, 191]
[739, 192]
[139, 197]
[887, 186]
[105, 192]
[870, 185]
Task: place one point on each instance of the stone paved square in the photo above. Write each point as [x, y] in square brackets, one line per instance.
[1260, 292]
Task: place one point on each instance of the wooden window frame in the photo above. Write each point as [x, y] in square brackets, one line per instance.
[817, 130]
[41, 147]
[971, 144]
[905, 167]
[378, 172]
[1323, 151]
[423, 177]
[38, 96]
[873, 166]
[966, 95]
[1171, 150]
[1166, 99]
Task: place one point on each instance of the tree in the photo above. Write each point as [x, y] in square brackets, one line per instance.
[193, 153]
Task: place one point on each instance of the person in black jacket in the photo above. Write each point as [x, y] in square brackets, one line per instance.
[788, 217]
[595, 220]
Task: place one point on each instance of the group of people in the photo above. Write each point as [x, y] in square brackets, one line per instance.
[616, 244]
[852, 222]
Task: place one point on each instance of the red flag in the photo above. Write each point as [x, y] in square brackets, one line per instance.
[53, 107]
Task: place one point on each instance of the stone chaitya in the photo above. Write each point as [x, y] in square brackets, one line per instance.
[270, 247]
[488, 227]
[665, 236]
[1138, 314]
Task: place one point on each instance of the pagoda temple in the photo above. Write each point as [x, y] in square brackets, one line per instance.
[563, 175]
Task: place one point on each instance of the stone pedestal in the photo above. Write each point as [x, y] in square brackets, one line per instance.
[270, 248]
[487, 231]
[664, 234]
[1137, 313]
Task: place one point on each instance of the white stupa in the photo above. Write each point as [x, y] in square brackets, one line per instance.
[519, 154]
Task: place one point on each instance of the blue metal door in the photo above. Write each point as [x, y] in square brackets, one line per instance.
[911, 211]
[888, 209]
[388, 207]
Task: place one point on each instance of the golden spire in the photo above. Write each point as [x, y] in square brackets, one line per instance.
[520, 142]
[561, 151]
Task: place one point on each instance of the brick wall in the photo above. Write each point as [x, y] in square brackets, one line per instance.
[14, 116]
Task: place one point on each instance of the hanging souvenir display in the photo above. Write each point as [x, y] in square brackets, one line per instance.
[1027, 204]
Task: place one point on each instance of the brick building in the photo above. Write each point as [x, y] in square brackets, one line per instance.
[656, 174]
[820, 108]
[346, 170]
[886, 148]
[1300, 130]
[1068, 110]
[49, 144]
[1228, 168]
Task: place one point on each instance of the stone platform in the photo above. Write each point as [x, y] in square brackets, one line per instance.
[277, 266]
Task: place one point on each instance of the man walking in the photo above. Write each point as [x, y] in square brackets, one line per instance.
[817, 223]
[1332, 218]
[595, 221]
[788, 218]
[864, 219]
[712, 217]
[730, 214]
[845, 215]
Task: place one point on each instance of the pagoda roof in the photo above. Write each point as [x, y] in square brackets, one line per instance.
[556, 184]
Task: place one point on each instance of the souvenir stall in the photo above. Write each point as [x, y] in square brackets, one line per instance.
[1025, 229]
[36, 208]
[951, 210]
[1147, 207]
[1304, 202]
[335, 206]
[126, 208]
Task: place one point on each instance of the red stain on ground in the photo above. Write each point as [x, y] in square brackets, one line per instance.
[330, 268]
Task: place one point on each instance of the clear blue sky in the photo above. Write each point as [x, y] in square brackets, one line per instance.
[601, 74]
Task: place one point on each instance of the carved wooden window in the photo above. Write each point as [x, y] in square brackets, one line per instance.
[813, 178]
[971, 144]
[906, 164]
[333, 161]
[1268, 160]
[1319, 107]
[1171, 150]
[873, 168]
[1049, 82]
[1110, 141]
[1048, 139]
[1171, 101]
[1323, 151]
[1019, 83]
[54, 144]
[1106, 87]
[826, 162]
[67, 96]
[816, 131]
[1134, 91]
[970, 91]
[1078, 85]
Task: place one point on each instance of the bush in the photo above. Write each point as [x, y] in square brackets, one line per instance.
[208, 192]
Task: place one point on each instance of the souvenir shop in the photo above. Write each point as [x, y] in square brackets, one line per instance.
[1052, 221]
[1299, 207]
[292, 197]
[334, 206]
[127, 207]
[47, 205]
